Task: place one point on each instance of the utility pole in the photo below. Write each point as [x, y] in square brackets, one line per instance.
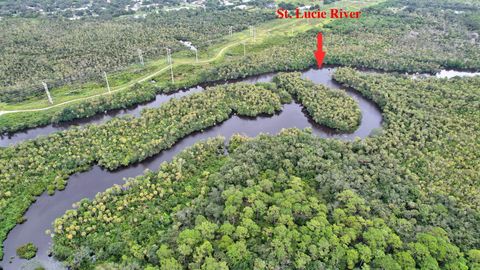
[140, 56]
[170, 62]
[169, 57]
[48, 93]
[196, 55]
[231, 31]
[106, 80]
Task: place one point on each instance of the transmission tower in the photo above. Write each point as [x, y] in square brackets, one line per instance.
[196, 55]
[48, 92]
[168, 56]
[106, 80]
[170, 62]
[140, 56]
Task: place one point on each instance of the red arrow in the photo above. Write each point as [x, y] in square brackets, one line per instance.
[319, 53]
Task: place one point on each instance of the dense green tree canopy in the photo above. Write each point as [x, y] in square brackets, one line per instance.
[401, 199]
[328, 107]
[406, 197]
[29, 168]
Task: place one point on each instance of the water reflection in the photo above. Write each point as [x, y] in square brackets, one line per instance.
[448, 74]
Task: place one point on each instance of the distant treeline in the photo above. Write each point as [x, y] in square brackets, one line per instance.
[79, 8]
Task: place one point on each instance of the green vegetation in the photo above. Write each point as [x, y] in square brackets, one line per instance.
[60, 52]
[80, 8]
[332, 108]
[183, 178]
[227, 61]
[392, 38]
[30, 168]
[409, 36]
[386, 37]
[293, 4]
[27, 251]
[433, 129]
[405, 198]
[118, 100]
[186, 76]
[266, 222]
[276, 54]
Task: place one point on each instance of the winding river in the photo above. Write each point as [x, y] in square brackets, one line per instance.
[46, 209]
[28, 134]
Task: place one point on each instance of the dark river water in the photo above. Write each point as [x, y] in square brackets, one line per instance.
[46, 209]
[10, 139]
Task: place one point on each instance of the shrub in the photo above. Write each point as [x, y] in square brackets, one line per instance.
[27, 251]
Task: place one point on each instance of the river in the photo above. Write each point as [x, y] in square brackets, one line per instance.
[46, 209]
[28, 134]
